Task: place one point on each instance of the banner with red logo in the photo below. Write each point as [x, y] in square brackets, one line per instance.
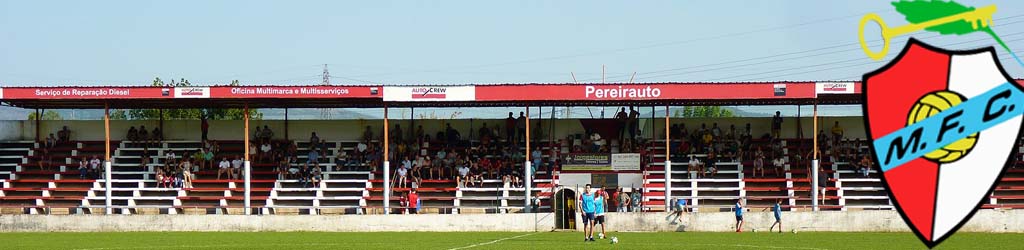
[429, 93]
[610, 92]
[835, 88]
[294, 92]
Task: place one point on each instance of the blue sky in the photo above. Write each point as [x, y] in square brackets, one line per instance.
[438, 42]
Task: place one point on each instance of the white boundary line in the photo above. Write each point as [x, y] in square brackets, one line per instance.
[493, 241]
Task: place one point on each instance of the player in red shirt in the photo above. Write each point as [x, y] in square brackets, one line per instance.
[414, 202]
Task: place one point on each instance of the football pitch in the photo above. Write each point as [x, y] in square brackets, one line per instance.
[494, 240]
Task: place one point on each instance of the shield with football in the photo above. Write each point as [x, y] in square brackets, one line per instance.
[944, 125]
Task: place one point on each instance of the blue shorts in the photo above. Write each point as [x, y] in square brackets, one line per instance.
[778, 218]
[587, 217]
[739, 218]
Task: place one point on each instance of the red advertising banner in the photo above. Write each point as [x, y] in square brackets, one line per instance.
[190, 92]
[87, 93]
[665, 91]
[295, 92]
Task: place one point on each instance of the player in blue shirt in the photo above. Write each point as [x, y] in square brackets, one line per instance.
[739, 216]
[599, 202]
[777, 210]
[587, 207]
[679, 209]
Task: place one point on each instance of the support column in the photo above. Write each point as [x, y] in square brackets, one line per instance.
[814, 161]
[106, 156]
[528, 177]
[387, 164]
[247, 164]
[286, 138]
[668, 163]
[38, 114]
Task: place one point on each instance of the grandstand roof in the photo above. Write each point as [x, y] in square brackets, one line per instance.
[534, 94]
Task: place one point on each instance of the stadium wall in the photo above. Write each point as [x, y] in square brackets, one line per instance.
[847, 221]
[92, 130]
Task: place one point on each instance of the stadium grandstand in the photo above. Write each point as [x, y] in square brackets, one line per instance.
[518, 164]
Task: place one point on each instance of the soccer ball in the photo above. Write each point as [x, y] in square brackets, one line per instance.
[931, 104]
[600, 235]
[615, 240]
[794, 231]
[754, 230]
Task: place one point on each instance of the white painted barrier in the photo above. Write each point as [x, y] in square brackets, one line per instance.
[852, 221]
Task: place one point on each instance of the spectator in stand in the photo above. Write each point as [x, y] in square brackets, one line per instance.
[463, 178]
[520, 128]
[622, 199]
[282, 168]
[313, 157]
[314, 140]
[694, 166]
[133, 134]
[779, 165]
[485, 167]
[368, 135]
[45, 159]
[537, 161]
[268, 135]
[224, 168]
[209, 155]
[776, 125]
[94, 166]
[200, 159]
[170, 160]
[342, 159]
[64, 135]
[865, 164]
[417, 171]
[256, 135]
[204, 126]
[396, 134]
[837, 133]
[622, 118]
[707, 139]
[145, 159]
[161, 178]
[636, 198]
[185, 163]
[236, 168]
[83, 168]
[716, 131]
[419, 135]
[179, 179]
[746, 137]
[758, 162]
[315, 176]
[401, 173]
[731, 135]
[157, 137]
[476, 173]
[712, 163]
[510, 129]
[186, 167]
[51, 141]
[453, 135]
[266, 152]
[634, 121]
[144, 135]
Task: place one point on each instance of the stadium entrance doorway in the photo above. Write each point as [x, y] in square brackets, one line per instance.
[565, 209]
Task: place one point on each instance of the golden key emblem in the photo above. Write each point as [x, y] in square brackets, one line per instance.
[979, 18]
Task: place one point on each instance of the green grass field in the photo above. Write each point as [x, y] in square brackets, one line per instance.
[494, 240]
